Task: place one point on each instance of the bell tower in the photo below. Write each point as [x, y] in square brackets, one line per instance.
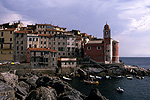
[107, 44]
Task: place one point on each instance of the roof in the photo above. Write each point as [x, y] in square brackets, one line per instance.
[9, 29]
[67, 59]
[20, 32]
[95, 42]
[53, 30]
[44, 35]
[77, 38]
[41, 49]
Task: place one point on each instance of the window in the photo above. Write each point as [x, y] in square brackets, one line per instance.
[33, 39]
[49, 42]
[21, 35]
[10, 39]
[36, 39]
[30, 39]
[88, 48]
[21, 42]
[35, 46]
[63, 43]
[29, 45]
[1, 52]
[114, 43]
[44, 37]
[68, 48]
[44, 32]
[54, 38]
[68, 53]
[10, 46]
[1, 46]
[10, 32]
[10, 52]
[17, 42]
[21, 47]
[54, 43]
[17, 47]
[76, 44]
[58, 43]
[2, 40]
[45, 42]
[63, 53]
[58, 53]
[17, 35]
[68, 43]
[60, 49]
[1, 33]
[41, 42]
[98, 48]
[72, 43]
[54, 48]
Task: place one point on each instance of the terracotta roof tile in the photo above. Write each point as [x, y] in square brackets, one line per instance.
[20, 32]
[41, 49]
[9, 29]
[44, 35]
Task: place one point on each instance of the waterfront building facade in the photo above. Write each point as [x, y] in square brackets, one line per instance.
[42, 57]
[20, 46]
[104, 50]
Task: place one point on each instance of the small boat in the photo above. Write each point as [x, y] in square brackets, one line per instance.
[108, 77]
[120, 90]
[66, 78]
[91, 76]
[130, 77]
[98, 77]
[90, 82]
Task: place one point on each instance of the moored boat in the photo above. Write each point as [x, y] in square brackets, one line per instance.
[66, 78]
[130, 77]
[120, 90]
[90, 82]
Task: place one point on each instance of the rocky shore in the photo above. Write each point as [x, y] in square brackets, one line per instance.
[114, 70]
[40, 87]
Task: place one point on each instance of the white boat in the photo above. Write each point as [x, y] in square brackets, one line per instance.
[108, 77]
[120, 90]
[130, 77]
[91, 76]
[98, 77]
[66, 78]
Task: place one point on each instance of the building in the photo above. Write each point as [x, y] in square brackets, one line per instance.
[7, 44]
[42, 57]
[20, 46]
[67, 62]
[104, 50]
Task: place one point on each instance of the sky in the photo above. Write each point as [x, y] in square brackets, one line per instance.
[129, 20]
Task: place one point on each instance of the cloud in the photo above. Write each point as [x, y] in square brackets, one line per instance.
[128, 19]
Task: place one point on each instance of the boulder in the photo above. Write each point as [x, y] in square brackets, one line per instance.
[20, 92]
[95, 95]
[44, 81]
[6, 92]
[42, 93]
[32, 81]
[9, 78]
[24, 85]
[72, 95]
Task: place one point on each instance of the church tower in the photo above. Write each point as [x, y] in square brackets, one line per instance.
[107, 44]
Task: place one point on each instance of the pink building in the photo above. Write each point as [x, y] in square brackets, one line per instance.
[104, 50]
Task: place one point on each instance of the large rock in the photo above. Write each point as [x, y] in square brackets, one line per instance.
[24, 85]
[42, 93]
[96, 95]
[72, 95]
[10, 79]
[6, 92]
[32, 81]
[20, 92]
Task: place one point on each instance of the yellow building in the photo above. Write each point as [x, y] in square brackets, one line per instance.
[7, 44]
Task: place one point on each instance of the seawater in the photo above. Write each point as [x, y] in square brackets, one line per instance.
[134, 89]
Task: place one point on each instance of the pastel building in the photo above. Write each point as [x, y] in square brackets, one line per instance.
[104, 50]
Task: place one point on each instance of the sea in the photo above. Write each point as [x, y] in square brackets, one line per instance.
[133, 89]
